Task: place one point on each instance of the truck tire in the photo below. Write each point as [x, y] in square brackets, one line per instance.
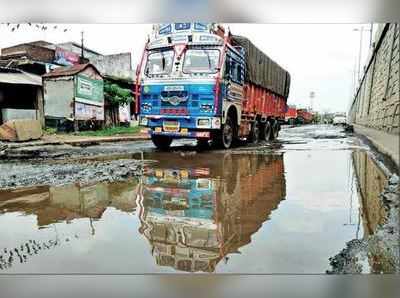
[254, 133]
[161, 142]
[274, 131]
[265, 133]
[224, 137]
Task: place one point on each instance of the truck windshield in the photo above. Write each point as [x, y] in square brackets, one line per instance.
[159, 63]
[201, 61]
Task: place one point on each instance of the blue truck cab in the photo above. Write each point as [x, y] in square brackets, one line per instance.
[189, 81]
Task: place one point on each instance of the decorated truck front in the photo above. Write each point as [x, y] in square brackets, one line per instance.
[178, 76]
[199, 81]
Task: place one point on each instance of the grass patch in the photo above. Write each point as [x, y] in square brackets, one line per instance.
[112, 131]
[50, 130]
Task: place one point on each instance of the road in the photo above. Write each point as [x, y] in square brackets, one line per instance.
[317, 200]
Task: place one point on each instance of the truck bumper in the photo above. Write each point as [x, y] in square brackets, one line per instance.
[188, 134]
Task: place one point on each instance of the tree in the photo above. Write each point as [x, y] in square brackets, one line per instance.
[116, 95]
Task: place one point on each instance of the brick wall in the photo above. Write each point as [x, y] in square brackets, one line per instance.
[33, 52]
[377, 100]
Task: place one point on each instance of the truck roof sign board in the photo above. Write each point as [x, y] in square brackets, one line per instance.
[165, 29]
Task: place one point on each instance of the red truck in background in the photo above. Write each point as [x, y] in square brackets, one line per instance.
[304, 116]
[291, 115]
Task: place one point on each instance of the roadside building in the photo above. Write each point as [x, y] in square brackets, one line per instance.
[21, 98]
[74, 94]
[34, 57]
[76, 48]
[40, 57]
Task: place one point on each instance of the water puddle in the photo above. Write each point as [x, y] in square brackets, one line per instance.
[196, 212]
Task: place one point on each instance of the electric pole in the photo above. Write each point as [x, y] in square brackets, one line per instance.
[82, 52]
[312, 95]
[370, 35]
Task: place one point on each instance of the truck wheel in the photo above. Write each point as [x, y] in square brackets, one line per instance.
[266, 131]
[254, 133]
[224, 137]
[274, 131]
[161, 142]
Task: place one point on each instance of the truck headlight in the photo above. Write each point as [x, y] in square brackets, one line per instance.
[216, 122]
[203, 122]
[143, 121]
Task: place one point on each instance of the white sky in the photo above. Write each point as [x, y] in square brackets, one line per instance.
[320, 57]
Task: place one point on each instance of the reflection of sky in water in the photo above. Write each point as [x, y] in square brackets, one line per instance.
[311, 224]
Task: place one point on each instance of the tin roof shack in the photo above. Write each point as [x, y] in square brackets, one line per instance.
[74, 97]
[40, 57]
[34, 57]
[21, 105]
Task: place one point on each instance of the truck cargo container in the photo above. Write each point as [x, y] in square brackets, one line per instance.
[197, 80]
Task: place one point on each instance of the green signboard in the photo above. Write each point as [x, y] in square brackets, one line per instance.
[89, 91]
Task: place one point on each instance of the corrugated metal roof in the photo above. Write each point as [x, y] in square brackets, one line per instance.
[68, 70]
[19, 77]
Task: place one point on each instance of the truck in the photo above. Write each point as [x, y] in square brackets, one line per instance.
[304, 116]
[194, 216]
[339, 119]
[291, 115]
[197, 80]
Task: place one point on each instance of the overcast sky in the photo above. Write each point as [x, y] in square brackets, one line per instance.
[320, 58]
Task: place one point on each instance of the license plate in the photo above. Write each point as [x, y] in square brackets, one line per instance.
[171, 126]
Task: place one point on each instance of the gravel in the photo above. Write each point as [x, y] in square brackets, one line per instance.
[13, 175]
[383, 245]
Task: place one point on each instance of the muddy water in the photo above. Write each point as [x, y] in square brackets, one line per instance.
[233, 212]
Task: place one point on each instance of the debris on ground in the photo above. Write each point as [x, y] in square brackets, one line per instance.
[21, 130]
[28, 174]
[382, 247]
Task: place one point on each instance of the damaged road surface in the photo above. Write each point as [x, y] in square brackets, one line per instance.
[317, 200]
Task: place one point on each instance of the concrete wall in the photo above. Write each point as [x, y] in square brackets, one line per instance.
[59, 97]
[14, 114]
[377, 100]
[117, 65]
[371, 181]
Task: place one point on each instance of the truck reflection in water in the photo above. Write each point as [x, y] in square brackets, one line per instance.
[195, 216]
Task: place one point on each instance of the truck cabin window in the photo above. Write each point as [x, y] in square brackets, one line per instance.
[201, 61]
[159, 63]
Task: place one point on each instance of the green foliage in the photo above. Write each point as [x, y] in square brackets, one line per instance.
[50, 130]
[116, 95]
[112, 131]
